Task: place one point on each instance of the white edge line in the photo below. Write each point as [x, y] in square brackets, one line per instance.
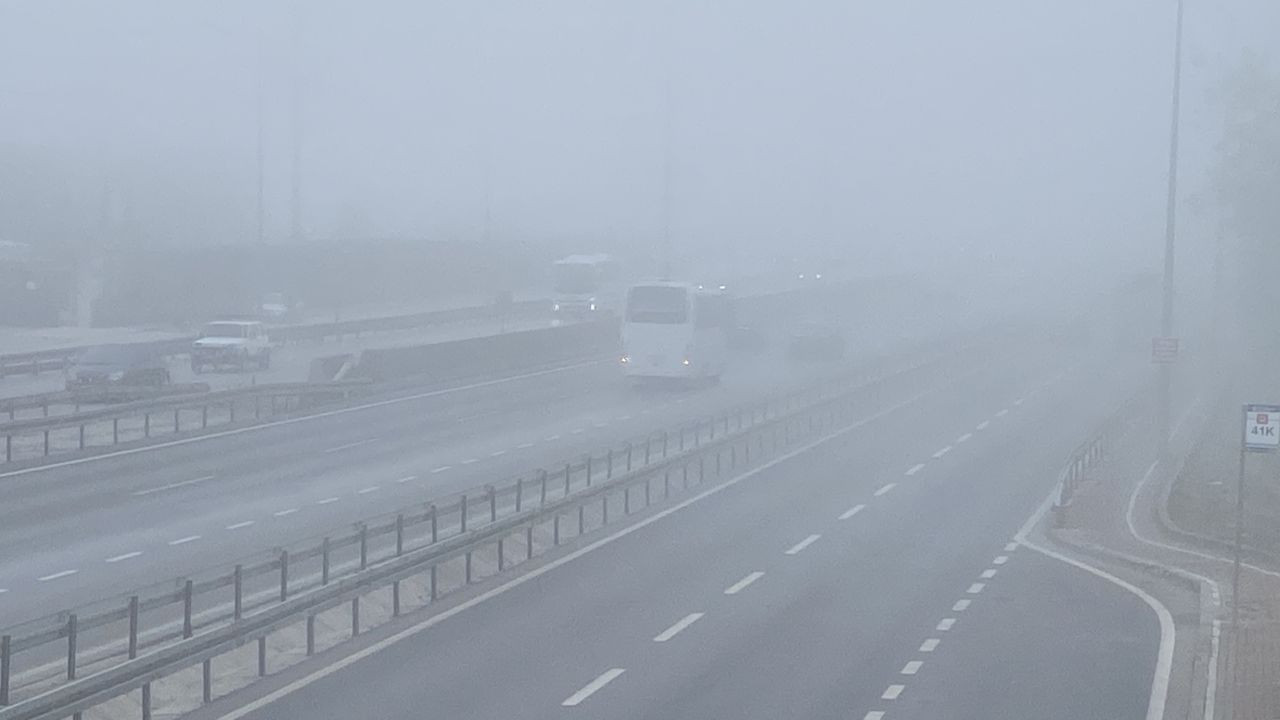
[536, 573]
[170, 486]
[304, 418]
[1164, 655]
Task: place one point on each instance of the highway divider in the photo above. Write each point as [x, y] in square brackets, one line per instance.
[89, 656]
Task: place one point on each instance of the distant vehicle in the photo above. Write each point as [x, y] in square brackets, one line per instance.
[675, 330]
[584, 286]
[122, 365]
[277, 307]
[231, 343]
[816, 341]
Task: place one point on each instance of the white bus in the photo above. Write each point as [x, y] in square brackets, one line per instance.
[585, 286]
[675, 330]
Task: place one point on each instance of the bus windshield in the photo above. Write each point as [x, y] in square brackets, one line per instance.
[658, 304]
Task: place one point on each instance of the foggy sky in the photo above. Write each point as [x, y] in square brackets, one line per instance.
[913, 133]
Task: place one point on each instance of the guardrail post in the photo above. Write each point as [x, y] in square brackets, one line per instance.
[467, 570]
[186, 610]
[701, 470]
[697, 433]
[311, 635]
[8, 448]
[6, 667]
[46, 443]
[115, 431]
[262, 656]
[626, 498]
[493, 504]
[399, 534]
[146, 424]
[284, 575]
[588, 469]
[665, 435]
[324, 561]
[582, 519]
[204, 416]
[717, 462]
[176, 423]
[206, 672]
[608, 460]
[681, 438]
[463, 522]
[82, 436]
[519, 493]
[528, 543]
[355, 616]
[146, 701]
[433, 583]
[71, 646]
[237, 581]
[257, 407]
[746, 451]
[648, 446]
[133, 627]
[628, 456]
[604, 509]
[435, 525]
[364, 546]
[501, 554]
[712, 428]
[395, 598]
[542, 492]
[568, 473]
[666, 487]
[231, 410]
[733, 456]
[684, 480]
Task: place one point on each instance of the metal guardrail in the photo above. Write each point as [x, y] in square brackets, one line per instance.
[1086, 456]
[41, 437]
[253, 599]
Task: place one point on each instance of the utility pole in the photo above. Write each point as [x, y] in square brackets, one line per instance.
[260, 158]
[1170, 233]
[666, 175]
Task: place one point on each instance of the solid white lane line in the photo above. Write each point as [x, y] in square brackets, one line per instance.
[976, 588]
[929, 645]
[1003, 412]
[244, 524]
[942, 452]
[739, 586]
[605, 678]
[552, 438]
[126, 556]
[912, 667]
[988, 573]
[983, 425]
[470, 461]
[1010, 547]
[960, 606]
[171, 486]
[683, 623]
[964, 438]
[327, 500]
[366, 491]
[1000, 560]
[803, 544]
[892, 692]
[851, 512]
[441, 469]
[57, 575]
[915, 469]
[874, 715]
[348, 446]
[497, 453]
[525, 446]
[407, 478]
[945, 624]
[185, 540]
[885, 488]
[282, 513]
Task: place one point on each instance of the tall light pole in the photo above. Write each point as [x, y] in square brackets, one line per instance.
[1170, 232]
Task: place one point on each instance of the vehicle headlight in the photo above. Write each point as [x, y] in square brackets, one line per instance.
[116, 376]
[593, 307]
[625, 359]
[686, 361]
[555, 307]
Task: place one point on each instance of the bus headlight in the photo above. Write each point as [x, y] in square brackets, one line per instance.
[592, 307]
[686, 361]
[555, 307]
[625, 360]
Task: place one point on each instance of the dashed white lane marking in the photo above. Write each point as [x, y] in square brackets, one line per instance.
[348, 446]
[497, 453]
[599, 425]
[803, 544]
[874, 715]
[983, 425]
[988, 573]
[577, 431]
[945, 624]
[683, 623]
[1019, 401]
[605, 678]
[525, 446]
[960, 606]
[327, 500]
[1003, 412]
[282, 513]
[1000, 560]
[915, 469]
[929, 645]
[366, 491]
[622, 418]
[126, 556]
[551, 438]
[470, 461]
[171, 486]
[57, 575]
[244, 524]
[851, 512]
[406, 478]
[885, 488]
[976, 588]
[892, 692]
[185, 540]
[942, 452]
[1010, 547]
[441, 469]
[964, 438]
[912, 667]
[741, 585]
[3, 590]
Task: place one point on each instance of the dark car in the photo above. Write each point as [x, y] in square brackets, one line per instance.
[125, 365]
[816, 341]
